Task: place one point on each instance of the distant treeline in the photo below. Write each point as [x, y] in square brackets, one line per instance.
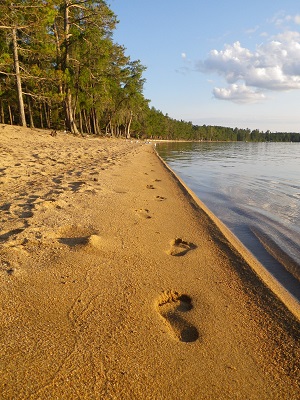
[160, 126]
[61, 69]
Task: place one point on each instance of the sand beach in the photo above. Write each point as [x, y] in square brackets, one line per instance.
[117, 283]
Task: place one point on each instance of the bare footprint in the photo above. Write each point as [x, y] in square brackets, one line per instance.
[180, 247]
[144, 213]
[150, 187]
[160, 198]
[172, 306]
[79, 237]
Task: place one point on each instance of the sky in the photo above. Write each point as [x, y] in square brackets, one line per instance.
[217, 62]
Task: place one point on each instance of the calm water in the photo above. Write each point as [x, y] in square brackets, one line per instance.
[254, 188]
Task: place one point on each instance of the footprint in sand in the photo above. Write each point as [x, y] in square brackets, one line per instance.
[180, 247]
[150, 187]
[173, 306]
[79, 237]
[160, 198]
[143, 213]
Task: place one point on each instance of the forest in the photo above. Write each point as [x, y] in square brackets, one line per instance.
[60, 69]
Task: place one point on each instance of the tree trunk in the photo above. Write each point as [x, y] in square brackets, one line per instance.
[128, 126]
[18, 77]
[31, 123]
[41, 116]
[80, 122]
[10, 115]
[2, 112]
[110, 124]
[70, 122]
[86, 122]
[95, 122]
[58, 56]
[46, 115]
[108, 127]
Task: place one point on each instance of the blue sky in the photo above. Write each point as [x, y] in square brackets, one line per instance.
[219, 62]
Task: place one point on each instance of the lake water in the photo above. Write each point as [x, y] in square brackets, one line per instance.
[254, 189]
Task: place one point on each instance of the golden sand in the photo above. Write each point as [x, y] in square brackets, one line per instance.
[117, 283]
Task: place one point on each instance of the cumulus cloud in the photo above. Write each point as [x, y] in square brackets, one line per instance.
[238, 94]
[274, 65]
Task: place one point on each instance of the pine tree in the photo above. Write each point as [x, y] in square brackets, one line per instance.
[59, 64]
[22, 24]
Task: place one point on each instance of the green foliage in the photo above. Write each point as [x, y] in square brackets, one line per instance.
[160, 126]
[74, 75]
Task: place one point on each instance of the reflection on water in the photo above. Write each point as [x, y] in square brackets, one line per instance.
[254, 188]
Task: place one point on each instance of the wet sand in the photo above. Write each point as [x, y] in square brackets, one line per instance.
[117, 283]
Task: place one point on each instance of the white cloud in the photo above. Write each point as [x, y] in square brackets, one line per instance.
[283, 20]
[238, 94]
[274, 65]
[183, 55]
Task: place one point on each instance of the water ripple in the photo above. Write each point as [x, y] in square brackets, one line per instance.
[254, 188]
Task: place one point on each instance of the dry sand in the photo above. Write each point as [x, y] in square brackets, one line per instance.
[117, 284]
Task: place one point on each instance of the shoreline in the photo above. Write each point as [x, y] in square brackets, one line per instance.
[270, 281]
[118, 283]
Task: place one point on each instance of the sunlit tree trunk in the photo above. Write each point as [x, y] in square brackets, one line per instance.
[70, 122]
[18, 77]
[129, 125]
